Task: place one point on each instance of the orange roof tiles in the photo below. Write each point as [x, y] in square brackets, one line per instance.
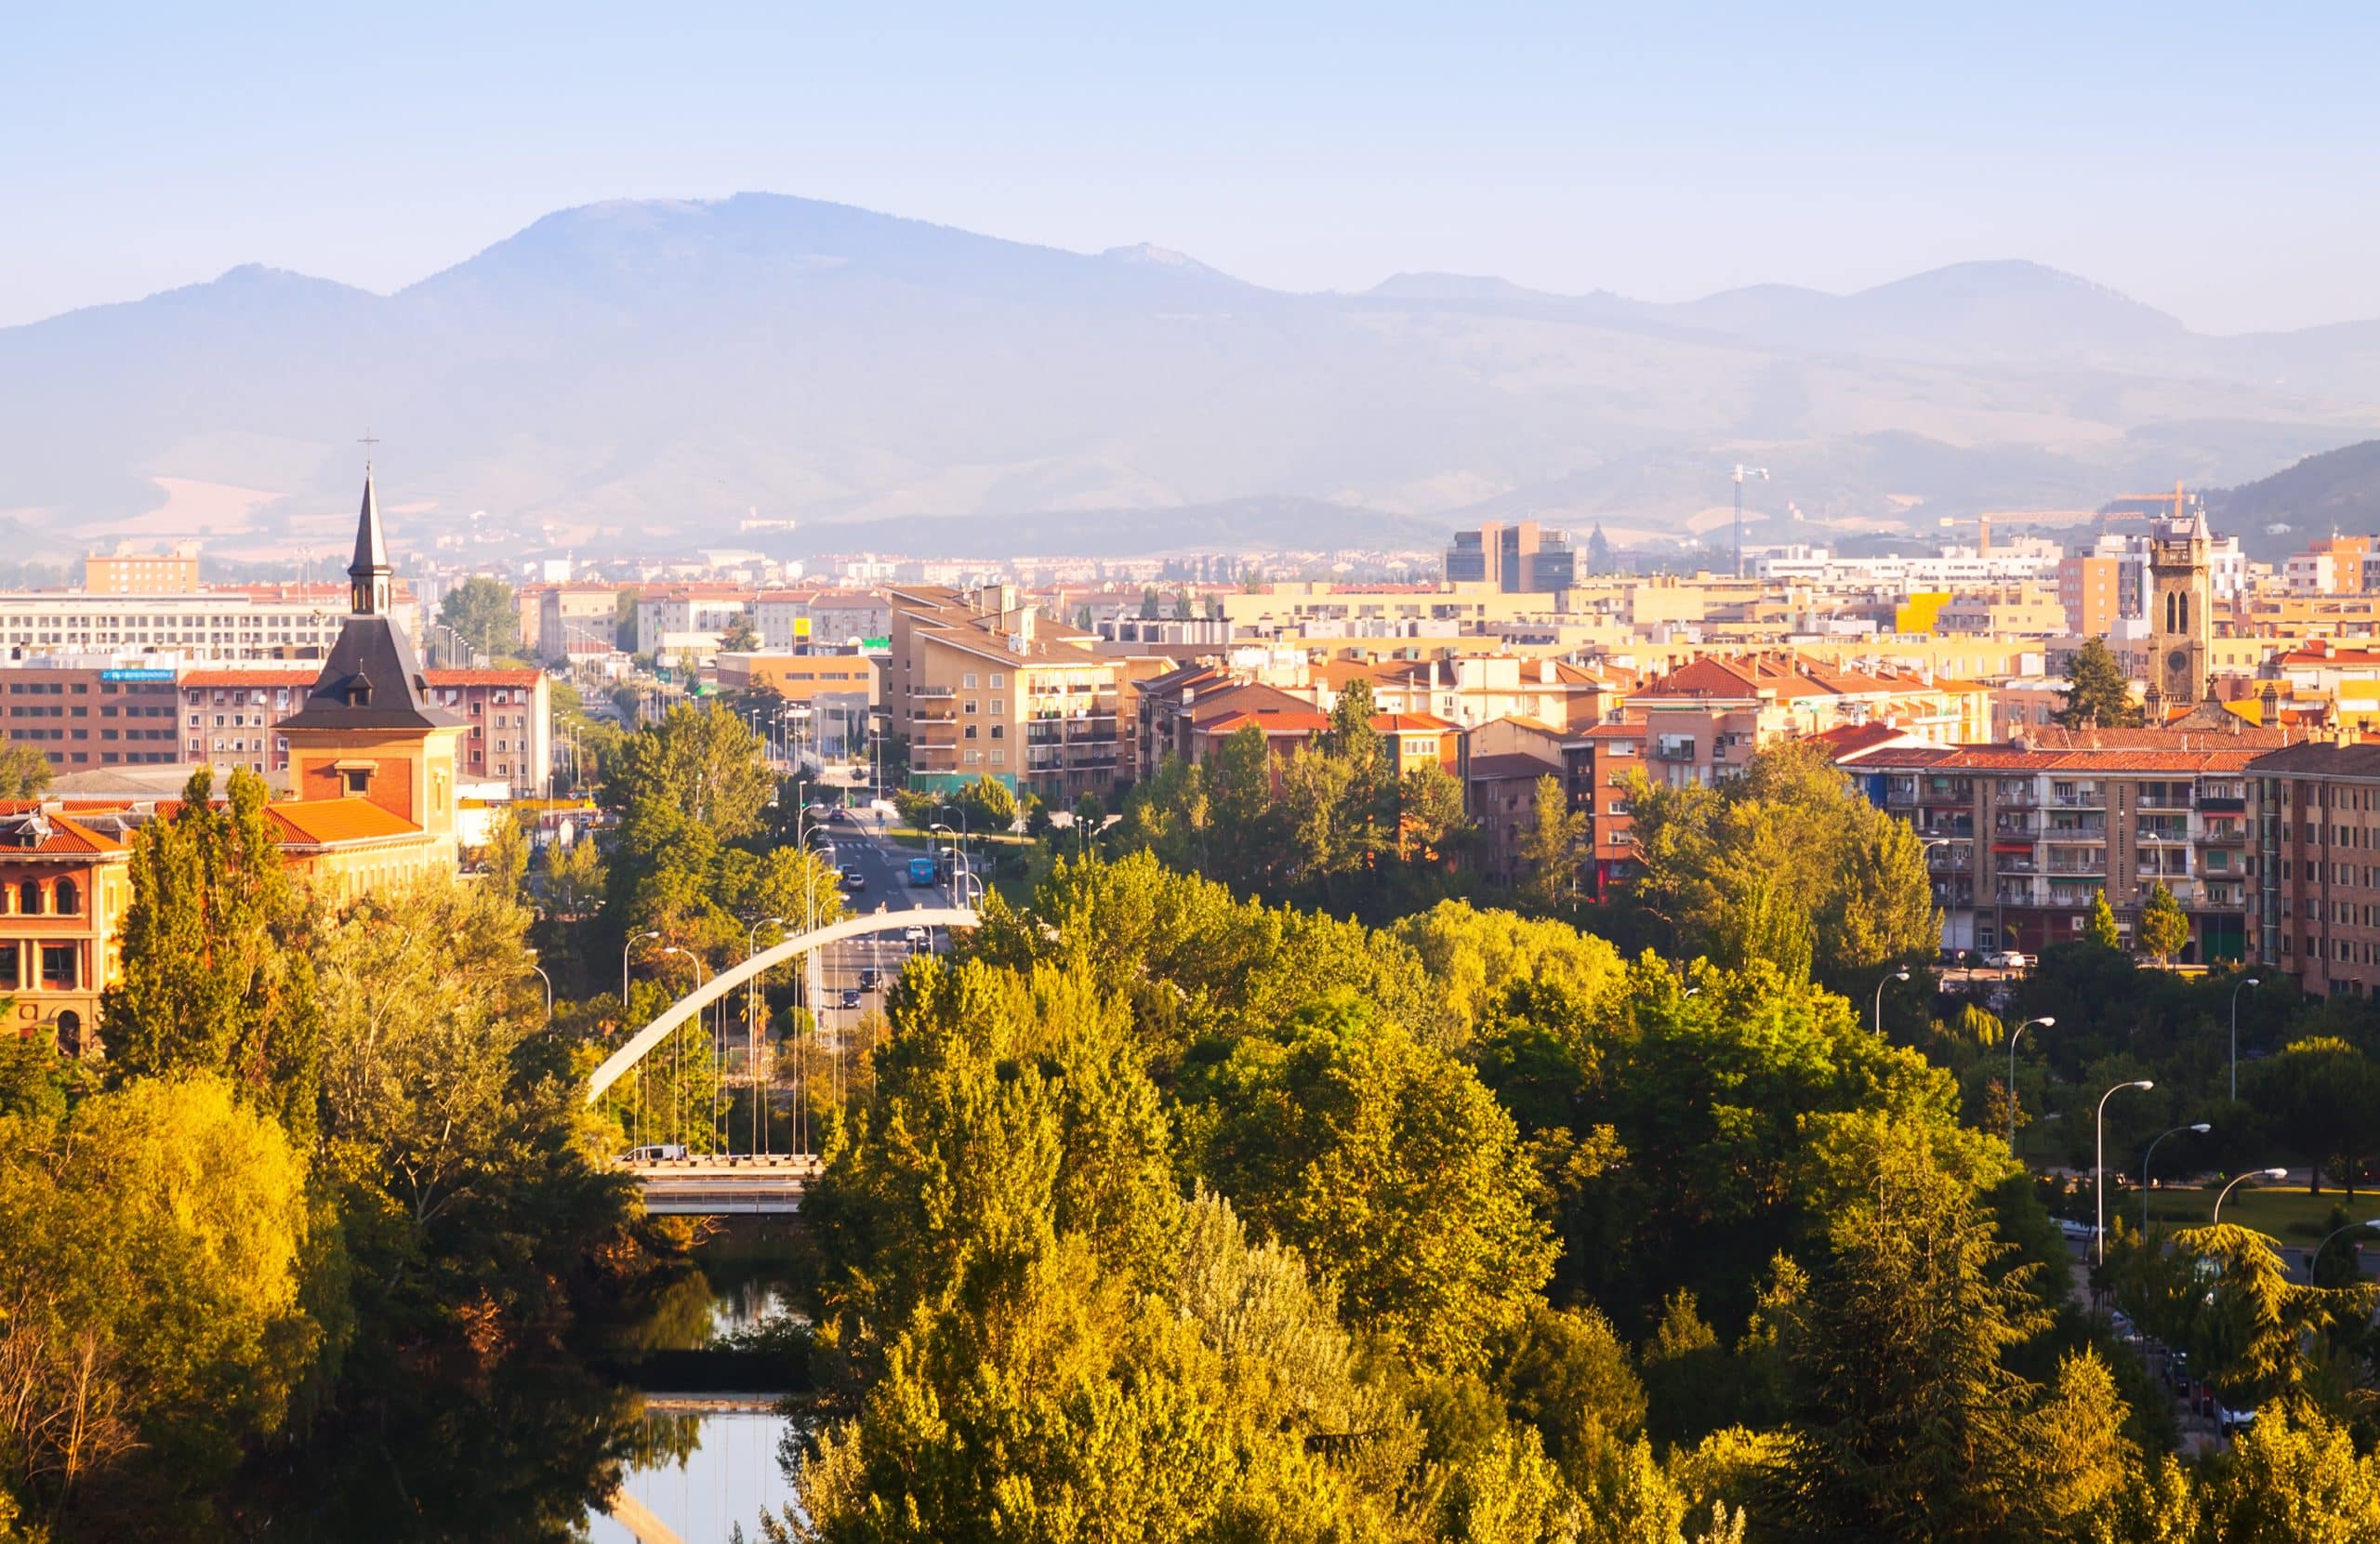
[328, 822]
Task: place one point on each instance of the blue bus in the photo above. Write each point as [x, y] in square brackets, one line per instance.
[921, 871]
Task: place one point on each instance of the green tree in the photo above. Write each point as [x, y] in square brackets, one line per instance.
[2293, 1477]
[1389, 1166]
[740, 637]
[1786, 864]
[217, 976]
[24, 771]
[1907, 1424]
[2165, 931]
[1237, 784]
[2103, 932]
[990, 804]
[152, 1314]
[506, 853]
[2249, 1330]
[1549, 847]
[487, 614]
[2322, 1091]
[2097, 689]
[1431, 820]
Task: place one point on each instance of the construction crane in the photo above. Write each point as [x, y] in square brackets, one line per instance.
[2178, 498]
[1744, 471]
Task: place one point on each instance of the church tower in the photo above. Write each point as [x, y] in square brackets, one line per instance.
[368, 731]
[2181, 609]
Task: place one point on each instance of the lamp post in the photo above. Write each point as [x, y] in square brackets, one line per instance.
[2099, 1171]
[2201, 1127]
[1901, 974]
[753, 997]
[625, 948]
[2245, 982]
[549, 989]
[2315, 1258]
[677, 1114]
[2266, 1173]
[2046, 1023]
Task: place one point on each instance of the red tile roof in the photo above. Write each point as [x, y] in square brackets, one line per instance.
[329, 822]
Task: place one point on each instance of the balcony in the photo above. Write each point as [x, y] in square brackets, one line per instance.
[2013, 863]
[2158, 833]
[2014, 895]
[2017, 796]
[2214, 804]
[2016, 825]
[2066, 797]
[1670, 749]
[2075, 834]
[933, 691]
[2163, 802]
[1960, 895]
[2225, 835]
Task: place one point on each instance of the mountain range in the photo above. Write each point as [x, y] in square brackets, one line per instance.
[658, 373]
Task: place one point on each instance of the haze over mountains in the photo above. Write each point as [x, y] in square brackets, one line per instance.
[654, 371]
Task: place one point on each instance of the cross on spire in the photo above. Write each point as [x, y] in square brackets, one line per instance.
[368, 440]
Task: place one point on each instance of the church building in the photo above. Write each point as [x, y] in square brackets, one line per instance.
[372, 762]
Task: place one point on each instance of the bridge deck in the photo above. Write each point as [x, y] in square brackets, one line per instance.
[724, 1186]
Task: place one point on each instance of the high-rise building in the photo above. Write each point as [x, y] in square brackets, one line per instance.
[1521, 557]
[2091, 589]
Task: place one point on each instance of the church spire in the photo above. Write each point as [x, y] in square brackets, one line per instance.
[368, 577]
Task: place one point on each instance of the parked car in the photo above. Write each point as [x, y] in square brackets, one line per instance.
[2228, 1419]
[2077, 1232]
[2010, 959]
[659, 1151]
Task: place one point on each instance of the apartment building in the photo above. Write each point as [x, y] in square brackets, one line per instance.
[2090, 591]
[1523, 557]
[510, 719]
[83, 715]
[230, 714]
[209, 625]
[827, 697]
[2021, 842]
[1469, 690]
[978, 685]
[2317, 841]
[64, 886]
[574, 621]
[126, 572]
[689, 618]
[829, 618]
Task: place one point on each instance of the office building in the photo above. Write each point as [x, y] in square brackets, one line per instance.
[1521, 557]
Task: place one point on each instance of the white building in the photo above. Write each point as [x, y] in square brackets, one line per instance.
[204, 624]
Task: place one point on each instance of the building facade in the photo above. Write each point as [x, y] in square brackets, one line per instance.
[64, 885]
[979, 688]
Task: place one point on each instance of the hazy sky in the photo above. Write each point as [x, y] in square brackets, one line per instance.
[2218, 162]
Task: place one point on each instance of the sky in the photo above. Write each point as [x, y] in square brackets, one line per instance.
[2216, 162]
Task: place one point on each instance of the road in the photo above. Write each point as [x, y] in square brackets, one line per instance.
[859, 843]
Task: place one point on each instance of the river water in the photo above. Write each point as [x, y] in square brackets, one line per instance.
[706, 1463]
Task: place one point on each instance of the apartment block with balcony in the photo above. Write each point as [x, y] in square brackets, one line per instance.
[2020, 843]
[979, 686]
[2314, 826]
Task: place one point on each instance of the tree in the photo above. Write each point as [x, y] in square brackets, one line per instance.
[1549, 847]
[2321, 1091]
[217, 976]
[485, 614]
[2097, 689]
[2294, 1478]
[506, 853]
[740, 637]
[2103, 932]
[1390, 1167]
[1906, 1423]
[1786, 864]
[24, 771]
[990, 804]
[2165, 931]
[1430, 815]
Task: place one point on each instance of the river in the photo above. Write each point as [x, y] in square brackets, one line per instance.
[706, 1463]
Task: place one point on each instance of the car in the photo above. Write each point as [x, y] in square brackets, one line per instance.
[914, 933]
[659, 1151]
[852, 877]
[871, 978]
[2228, 1419]
[2076, 1231]
[2010, 959]
[849, 997]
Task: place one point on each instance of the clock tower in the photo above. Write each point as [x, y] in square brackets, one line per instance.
[2181, 609]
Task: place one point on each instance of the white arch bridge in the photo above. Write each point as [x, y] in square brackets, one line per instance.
[737, 1182]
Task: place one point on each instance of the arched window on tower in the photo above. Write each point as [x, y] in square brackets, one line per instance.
[67, 898]
[29, 898]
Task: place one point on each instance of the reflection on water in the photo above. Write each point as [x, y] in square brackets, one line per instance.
[725, 1481]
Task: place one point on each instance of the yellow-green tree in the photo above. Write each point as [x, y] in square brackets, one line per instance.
[2164, 930]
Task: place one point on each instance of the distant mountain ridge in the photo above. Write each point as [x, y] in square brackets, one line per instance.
[654, 371]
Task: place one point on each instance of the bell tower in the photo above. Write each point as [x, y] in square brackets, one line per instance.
[2181, 608]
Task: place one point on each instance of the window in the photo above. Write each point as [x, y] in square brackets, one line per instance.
[967, 681]
[58, 967]
[1000, 704]
[1000, 680]
[356, 781]
[29, 899]
[10, 963]
[68, 900]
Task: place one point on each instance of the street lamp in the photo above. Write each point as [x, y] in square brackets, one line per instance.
[2267, 1173]
[2099, 1171]
[2046, 1023]
[2202, 1128]
[2245, 984]
[677, 1117]
[1901, 974]
[631, 943]
[2315, 1258]
[549, 989]
[752, 1000]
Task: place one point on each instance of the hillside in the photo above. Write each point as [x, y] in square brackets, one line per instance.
[654, 372]
[2336, 489]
